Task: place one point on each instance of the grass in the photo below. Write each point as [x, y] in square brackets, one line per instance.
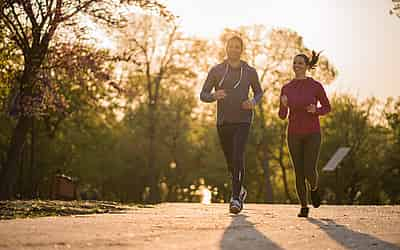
[39, 208]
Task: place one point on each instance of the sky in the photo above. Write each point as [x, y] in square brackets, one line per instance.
[359, 37]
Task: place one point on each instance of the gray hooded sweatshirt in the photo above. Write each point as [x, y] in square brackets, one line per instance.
[236, 82]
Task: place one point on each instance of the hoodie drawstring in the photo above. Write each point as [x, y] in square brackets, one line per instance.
[226, 72]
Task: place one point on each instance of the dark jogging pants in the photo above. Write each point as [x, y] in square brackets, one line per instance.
[233, 139]
[304, 151]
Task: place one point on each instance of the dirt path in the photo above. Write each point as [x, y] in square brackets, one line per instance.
[206, 227]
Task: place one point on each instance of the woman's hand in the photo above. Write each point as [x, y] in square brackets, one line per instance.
[312, 108]
[219, 94]
[284, 100]
[248, 104]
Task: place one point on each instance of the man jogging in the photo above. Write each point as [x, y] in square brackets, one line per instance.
[229, 83]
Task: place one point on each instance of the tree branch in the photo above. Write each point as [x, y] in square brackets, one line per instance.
[17, 36]
[77, 10]
[24, 38]
[27, 6]
[53, 23]
[171, 37]
[40, 11]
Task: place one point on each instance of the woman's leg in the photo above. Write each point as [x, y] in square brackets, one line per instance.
[296, 150]
[312, 144]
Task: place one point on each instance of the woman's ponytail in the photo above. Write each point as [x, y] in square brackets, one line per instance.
[314, 59]
[311, 63]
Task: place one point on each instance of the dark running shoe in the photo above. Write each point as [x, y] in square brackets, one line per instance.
[315, 198]
[235, 207]
[303, 212]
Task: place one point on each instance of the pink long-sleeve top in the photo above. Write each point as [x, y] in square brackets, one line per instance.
[300, 94]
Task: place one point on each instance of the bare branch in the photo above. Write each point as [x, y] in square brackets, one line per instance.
[21, 29]
[154, 6]
[18, 38]
[53, 24]
[46, 16]
[171, 40]
[40, 7]
[77, 10]
[27, 6]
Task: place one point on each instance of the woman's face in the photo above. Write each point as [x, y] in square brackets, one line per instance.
[299, 65]
[234, 49]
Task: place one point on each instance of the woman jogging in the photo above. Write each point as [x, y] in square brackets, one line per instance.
[301, 96]
[228, 83]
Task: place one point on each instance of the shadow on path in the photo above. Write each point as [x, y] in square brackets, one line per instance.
[349, 238]
[241, 234]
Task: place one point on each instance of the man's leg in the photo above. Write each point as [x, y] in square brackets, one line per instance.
[225, 134]
[239, 142]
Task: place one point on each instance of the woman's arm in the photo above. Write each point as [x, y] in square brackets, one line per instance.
[283, 106]
[323, 100]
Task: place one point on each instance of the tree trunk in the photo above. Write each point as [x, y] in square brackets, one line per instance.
[284, 176]
[9, 174]
[32, 172]
[20, 188]
[269, 195]
[285, 183]
[153, 174]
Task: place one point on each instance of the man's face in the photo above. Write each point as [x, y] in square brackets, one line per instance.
[234, 49]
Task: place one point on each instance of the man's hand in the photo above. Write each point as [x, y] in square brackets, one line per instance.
[248, 104]
[219, 94]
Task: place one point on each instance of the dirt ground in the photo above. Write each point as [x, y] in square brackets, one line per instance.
[207, 227]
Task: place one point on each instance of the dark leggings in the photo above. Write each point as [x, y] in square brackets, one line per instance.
[233, 138]
[304, 151]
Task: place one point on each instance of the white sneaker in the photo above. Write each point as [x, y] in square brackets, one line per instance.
[235, 207]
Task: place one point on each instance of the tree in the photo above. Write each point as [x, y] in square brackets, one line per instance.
[391, 174]
[32, 26]
[354, 124]
[396, 8]
[10, 67]
[160, 58]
